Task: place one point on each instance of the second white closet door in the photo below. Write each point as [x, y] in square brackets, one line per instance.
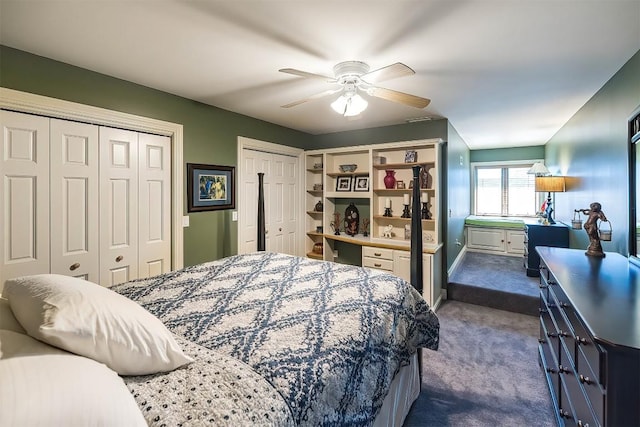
[118, 206]
[74, 199]
[154, 225]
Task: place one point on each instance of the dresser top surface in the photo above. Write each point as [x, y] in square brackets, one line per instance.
[604, 291]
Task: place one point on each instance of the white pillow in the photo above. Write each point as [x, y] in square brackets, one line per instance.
[45, 386]
[92, 321]
[7, 320]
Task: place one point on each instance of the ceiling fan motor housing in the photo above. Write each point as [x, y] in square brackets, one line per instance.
[350, 72]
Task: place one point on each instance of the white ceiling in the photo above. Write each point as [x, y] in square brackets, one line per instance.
[506, 73]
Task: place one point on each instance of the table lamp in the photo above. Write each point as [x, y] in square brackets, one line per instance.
[550, 184]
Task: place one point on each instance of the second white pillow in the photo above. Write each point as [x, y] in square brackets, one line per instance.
[90, 320]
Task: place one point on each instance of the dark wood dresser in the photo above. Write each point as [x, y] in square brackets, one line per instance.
[536, 234]
[590, 337]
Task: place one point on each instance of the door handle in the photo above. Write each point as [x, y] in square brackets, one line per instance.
[119, 258]
[75, 266]
[279, 229]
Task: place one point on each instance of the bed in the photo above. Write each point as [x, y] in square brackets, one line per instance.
[252, 339]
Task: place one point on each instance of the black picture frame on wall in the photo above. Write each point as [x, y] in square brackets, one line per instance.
[210, 187]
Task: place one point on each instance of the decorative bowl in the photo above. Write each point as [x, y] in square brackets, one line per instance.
[348, 168]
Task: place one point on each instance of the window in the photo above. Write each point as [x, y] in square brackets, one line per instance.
[504, 189]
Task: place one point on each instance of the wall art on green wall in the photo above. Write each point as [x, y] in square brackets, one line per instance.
[210, 187]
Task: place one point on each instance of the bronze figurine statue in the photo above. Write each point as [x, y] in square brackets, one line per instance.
[594, 213]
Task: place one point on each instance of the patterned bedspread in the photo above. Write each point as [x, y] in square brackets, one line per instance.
[329, 337]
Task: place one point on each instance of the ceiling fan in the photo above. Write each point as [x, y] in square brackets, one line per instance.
[354, 76]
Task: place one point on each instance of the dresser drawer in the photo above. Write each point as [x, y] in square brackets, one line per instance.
[581, 408]
[380, 264]
[589, 383]
[591, 352]
[549, 347]
[565, 331]
[380, 253]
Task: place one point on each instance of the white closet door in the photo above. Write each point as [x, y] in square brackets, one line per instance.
[154, 225]
[248, 201]
[74, 199]
[24, 217]
[283, 194]
[280, 198]
[118, 206]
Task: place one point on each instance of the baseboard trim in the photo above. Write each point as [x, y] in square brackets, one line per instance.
[456, 262]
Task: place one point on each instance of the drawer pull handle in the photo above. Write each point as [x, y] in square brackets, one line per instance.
[543, 286]
[552, 371]
[563, 370]
[119, 258]
[581, 424]
[563, 334]
[377, 254]
[585, 380]
[582, 341]
[75, 266]
[377, 265]
[551, 282]
[564, 414]
[552, 335]
[543, 310]
[542, 341]
[564, 305]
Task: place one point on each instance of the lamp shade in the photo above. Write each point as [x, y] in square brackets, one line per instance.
[551, 184]
[349, 104]
[538, 169]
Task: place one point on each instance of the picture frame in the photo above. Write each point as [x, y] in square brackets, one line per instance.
[410, 156]
[210, 187]
[343, 183]
[400, 185]
[361, 183]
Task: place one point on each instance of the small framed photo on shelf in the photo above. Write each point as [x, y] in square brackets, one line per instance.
[361, 183]
[400, 185]
[343, 183]
[410, 156]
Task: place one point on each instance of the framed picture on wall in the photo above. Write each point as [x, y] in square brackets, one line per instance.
[210, 187]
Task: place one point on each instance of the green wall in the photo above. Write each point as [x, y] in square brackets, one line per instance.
[458, 195]
[508, 154]
[404, 132]
[210, 134]
[591, 151]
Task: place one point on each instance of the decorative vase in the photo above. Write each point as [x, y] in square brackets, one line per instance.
[318, 206]
[390, 179]
[351, 220]
[425, 177]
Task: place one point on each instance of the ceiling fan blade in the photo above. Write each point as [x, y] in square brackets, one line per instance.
[395, 96]
[312, 97]
[387, 73]
[307, 74]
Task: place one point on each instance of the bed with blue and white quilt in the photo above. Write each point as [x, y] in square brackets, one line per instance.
[327, 338]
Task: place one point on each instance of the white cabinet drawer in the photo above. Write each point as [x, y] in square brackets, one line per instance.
[379, 253]
[380, 264]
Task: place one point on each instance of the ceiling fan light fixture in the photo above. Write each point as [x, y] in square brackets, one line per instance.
[349, 104]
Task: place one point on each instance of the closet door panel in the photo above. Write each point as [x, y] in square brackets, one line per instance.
[24, 194]
[74, 199]
[154, 226]
[118, 205]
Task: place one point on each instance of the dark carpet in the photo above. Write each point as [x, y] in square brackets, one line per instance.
[485, 373]
[495, 281]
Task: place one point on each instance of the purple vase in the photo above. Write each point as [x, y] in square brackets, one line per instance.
[390, 179]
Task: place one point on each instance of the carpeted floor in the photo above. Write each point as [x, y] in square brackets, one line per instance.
[495, 281]
[485, 373]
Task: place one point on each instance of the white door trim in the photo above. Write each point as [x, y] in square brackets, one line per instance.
[43, 105]
[269, 147]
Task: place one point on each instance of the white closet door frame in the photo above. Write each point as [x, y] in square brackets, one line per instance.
[269, 147]
[36, 104]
